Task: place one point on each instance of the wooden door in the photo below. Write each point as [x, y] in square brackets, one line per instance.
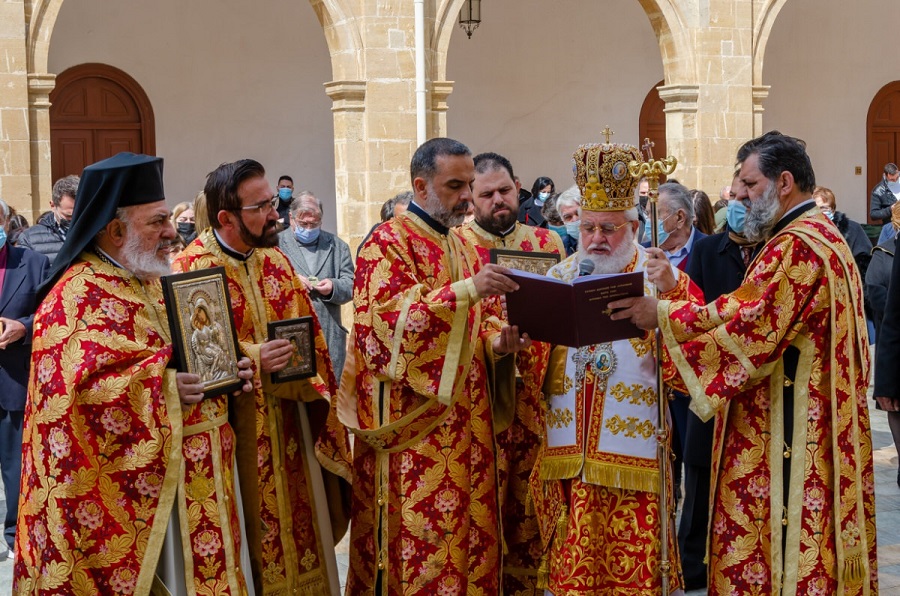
[882, 135]
[652, 122]
[97, 111]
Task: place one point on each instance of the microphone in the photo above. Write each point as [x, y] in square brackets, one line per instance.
[586, 267]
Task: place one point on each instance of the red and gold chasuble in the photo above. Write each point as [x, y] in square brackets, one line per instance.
[104, 460]
[285, 504]
[518, 445]
[596, 487]
[425, 509]
[814, 531]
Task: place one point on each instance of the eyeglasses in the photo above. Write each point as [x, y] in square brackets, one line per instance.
[606, 229]
[260, 207]
[308, 225]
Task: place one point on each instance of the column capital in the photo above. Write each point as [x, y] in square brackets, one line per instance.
[440, 91]
[39, 87]
[760, 93]
[680, 98]
[348, 96]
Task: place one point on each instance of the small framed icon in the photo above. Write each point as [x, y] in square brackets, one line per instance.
[300, 333]
[532, 262]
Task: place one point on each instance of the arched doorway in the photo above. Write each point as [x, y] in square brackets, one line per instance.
[652, 121]
[882, 133]
[97, 111]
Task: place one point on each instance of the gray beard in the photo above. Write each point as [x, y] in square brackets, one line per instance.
[145, 265]
[449, 218]
[615, 262]
[761, 217]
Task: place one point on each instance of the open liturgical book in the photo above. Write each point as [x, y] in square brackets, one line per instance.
[572, 314]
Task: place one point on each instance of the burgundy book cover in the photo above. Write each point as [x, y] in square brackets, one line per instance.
[572, 314]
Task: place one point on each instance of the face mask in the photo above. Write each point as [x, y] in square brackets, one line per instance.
[561, 230]
[643, 200]
[573, 229]
[735, 215]
[543, 196]
[284, 193]
[662, 234]
[829, 215]
[305, 236]
[64, 224]
[185, 228]
[2, 235]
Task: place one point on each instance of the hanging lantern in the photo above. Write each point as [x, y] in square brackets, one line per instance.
[470, 16]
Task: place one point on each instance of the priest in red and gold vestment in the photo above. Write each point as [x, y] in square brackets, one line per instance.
[520, 427]
[783, 364]
[285, 490]
[114, 452]
[425, 516]
[596, 486]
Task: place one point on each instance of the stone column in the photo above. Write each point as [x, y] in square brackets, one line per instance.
[375, 113]
[39, 88]
[15, 145]
[711, 103]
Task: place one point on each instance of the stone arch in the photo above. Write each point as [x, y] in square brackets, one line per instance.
[763, 21]
[445, 19]
[41, 18]
[343, 37]
[669, 25]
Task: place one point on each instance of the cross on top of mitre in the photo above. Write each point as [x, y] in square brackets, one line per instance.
[608, 133]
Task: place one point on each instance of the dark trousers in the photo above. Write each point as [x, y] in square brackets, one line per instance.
[678, 408]
[693, 527]
[11, 468]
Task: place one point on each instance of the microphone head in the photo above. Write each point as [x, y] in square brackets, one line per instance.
[586, 267]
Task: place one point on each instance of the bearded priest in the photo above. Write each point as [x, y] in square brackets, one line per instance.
[596, 485]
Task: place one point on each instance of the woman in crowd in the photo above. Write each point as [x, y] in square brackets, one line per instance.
[530, 211]
[704, 219]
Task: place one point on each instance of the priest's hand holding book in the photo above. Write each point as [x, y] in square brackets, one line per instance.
[492, 280]
[642, 311]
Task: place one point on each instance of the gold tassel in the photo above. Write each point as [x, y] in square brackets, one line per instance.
[543, 574]
[854, 569]
[562, 522]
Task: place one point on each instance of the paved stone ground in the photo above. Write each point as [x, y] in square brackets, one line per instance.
[887, 495]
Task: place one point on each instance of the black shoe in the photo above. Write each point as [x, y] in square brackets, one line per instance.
[898, 478]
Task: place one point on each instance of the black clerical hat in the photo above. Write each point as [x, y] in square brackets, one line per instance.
[123, 180]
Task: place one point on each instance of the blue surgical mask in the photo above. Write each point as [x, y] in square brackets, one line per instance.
[543, 196]
[573, 229]
[829, 215]
[561, 230]
[284, 193]
[305, 236]
[2, 236]
[736, 215]
[661, 233]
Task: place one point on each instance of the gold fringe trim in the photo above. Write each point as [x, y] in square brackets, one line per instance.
[854, 567]
[561, 467]
[619, 477]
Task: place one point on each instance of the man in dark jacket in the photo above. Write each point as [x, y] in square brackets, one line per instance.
[882, 196]
[717, 266]
[21, 272]
[48, 234]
